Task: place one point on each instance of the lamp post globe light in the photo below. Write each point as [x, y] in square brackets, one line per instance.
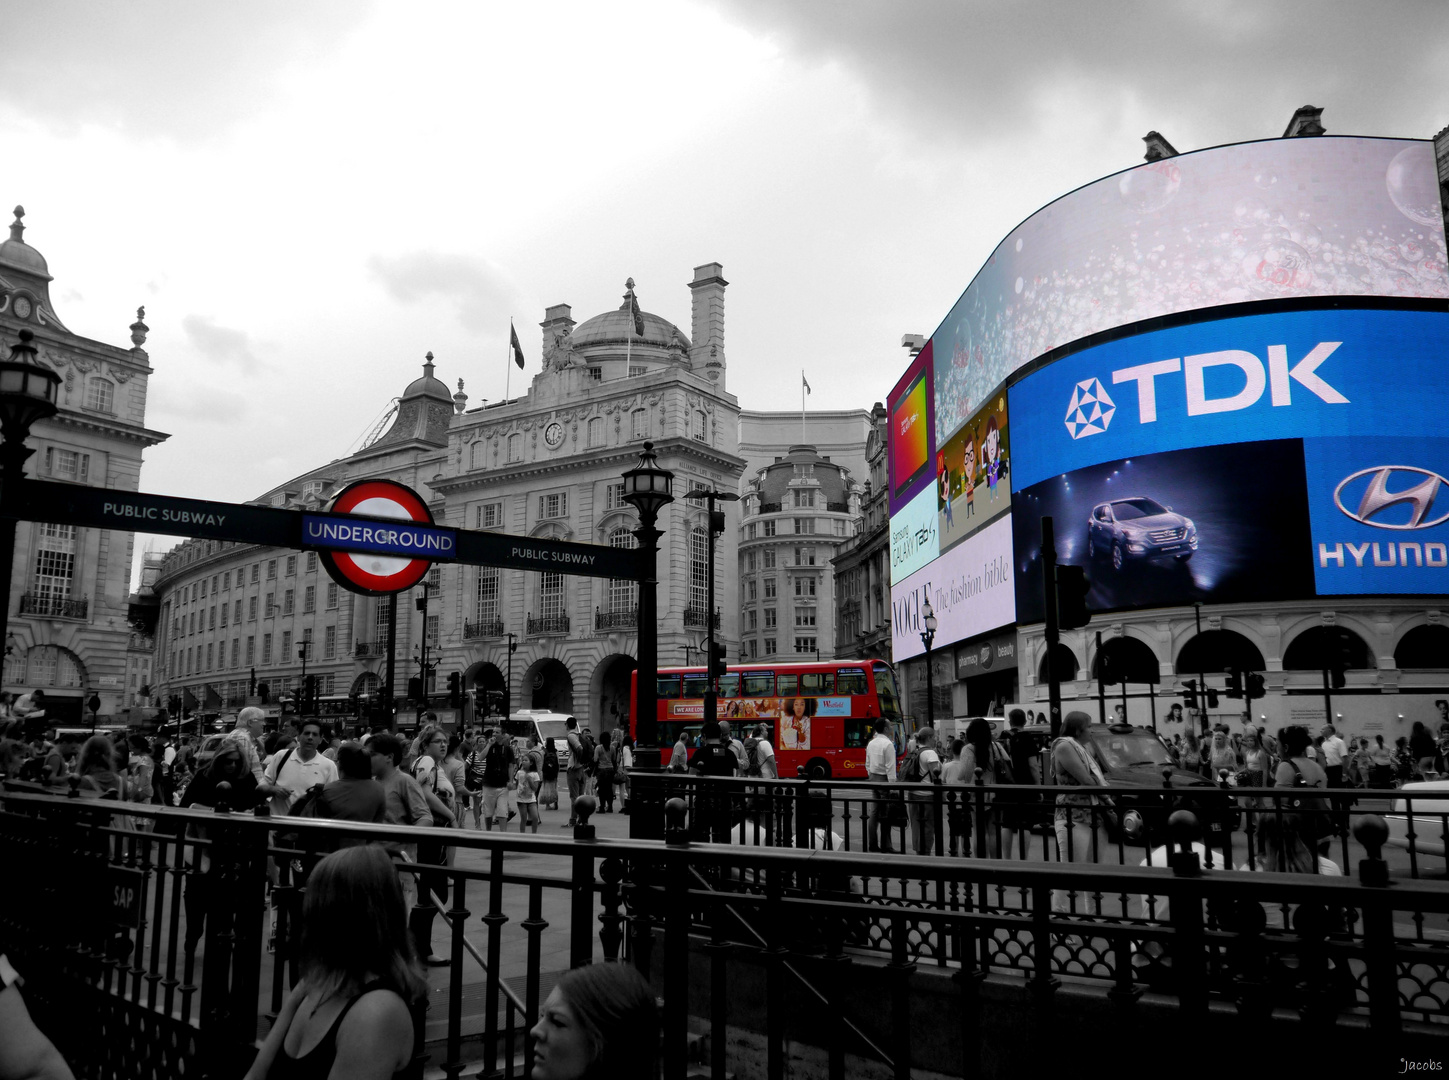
[28, 392]
[648, 487]
[928, 635]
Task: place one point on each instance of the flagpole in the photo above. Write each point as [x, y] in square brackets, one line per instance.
[508, 360]
[803, 439]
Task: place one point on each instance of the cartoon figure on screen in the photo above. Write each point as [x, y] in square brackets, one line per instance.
[968, 466]
[795, 723]
[991, 451]
[943, 486]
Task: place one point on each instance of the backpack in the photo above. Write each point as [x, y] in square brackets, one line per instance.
[495, 766]
[911, 770]
[752, 757]
[587, 742]
[1306, 809]
[1002, 771]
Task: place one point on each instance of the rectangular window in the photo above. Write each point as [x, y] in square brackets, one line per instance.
[251, 650]
[54, 562]
[769, 646]
[329, 643]
[555, 505]
[769, 617]
[311, 562]
[67, 465]
[266, 648]
[767, 558]
[754, 645]
[750, 532]
[271, 569]
[225, 582]
[804, 525]
[750, 560]
[596, 424]
[515, 447]
[252, 609]
[211, 621]
[209, 655]
[99, 395]
[194, 587]
[236, 617]
[804, 616]
[804, 644]
[639, 423]
[767, 528]
[432, 631]
[291, 565]
[490, 516]
[309, 598]
[193, 623]
[752, 588]
[804, 586]
[804, 498]
[597, 374]
[256, 572]
[286, 656]
[701, 425]
[769, 588]
[235, 652]
[614, 497]
[203, 588]
[380, 621]
[804, 556]
[271, 606]
[637, 369]
[754, 622]
[551, 595]
[486, 608]
[225, 610]
[214, 580]
[331, 595]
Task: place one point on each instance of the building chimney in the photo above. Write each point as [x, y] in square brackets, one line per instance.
[1157, 147]
[1304, 122]
[557, 321]
[706, 330]
[914, 342]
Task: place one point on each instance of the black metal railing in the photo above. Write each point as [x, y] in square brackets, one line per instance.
[548, 624]
[113, 904]
[53, 607]
[698, 618]
[484, 628]
[615, 620]
[369, 648]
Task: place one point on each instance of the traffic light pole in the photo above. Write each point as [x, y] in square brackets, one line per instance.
[1053, 633]
[1101, 683]
[711, 687]
[1202, 702]
[1327, 699]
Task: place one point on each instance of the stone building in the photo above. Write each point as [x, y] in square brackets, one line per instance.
[862, 565]
[546, 464]
[69, 630]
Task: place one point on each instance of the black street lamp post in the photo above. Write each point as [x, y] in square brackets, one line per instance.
[508, 690]
[28, 392]
[716, 526]
[648, 488]
[303, 648]
[928, 635]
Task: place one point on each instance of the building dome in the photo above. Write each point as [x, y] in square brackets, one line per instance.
[428, 386]
[16, 253]
[615, 327]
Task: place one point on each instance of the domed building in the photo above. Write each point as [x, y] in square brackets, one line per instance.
[548, 463]
[69, 623]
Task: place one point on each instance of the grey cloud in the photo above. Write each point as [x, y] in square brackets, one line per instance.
[223, 344]
[477, 290]
[178, 400]
[1208, 71]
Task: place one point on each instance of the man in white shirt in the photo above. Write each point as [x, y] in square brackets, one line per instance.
[1335, 753]
[764, 754]
[922, 812]
[880, 768]
[296, 771]
[247, 736]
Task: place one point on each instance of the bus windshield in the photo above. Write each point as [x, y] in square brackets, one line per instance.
[885, 689]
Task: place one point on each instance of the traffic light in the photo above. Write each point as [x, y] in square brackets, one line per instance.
[1189, 693]
[480, 701]
[1235, 684]
[1107, 670]
[415, 688]
[455, 689]
[1072, 589]
[1255, 688]
[1212, 696]
[1340, 659]
[716, 522]
[718, 666]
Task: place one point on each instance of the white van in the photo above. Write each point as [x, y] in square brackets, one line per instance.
[546, 725]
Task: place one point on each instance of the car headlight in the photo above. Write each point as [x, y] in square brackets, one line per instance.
[1133, 545]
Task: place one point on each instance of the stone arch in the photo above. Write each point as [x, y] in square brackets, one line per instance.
[485, 676]
[52, 667]
[367, 685]
[1133, 659]
[1067, 666]
[548, 684]
[1316, 648]
[609, 692]
[1423, 648]
[1218, 650]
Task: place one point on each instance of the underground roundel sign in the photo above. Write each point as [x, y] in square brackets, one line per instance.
[378, 562]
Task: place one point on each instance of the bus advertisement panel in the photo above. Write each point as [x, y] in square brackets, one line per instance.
[818, 716]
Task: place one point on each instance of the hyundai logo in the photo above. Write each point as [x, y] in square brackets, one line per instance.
[1090, 410]
[1377, 496]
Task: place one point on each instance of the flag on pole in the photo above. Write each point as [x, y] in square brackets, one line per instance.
[514, 346]
[805, 383]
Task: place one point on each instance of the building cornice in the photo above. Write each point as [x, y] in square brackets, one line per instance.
[624, 456]
[114, 429]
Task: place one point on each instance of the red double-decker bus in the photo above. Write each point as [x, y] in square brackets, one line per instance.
[819, 715]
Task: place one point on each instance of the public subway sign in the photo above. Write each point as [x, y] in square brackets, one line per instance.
[358, 534]
[372, 558]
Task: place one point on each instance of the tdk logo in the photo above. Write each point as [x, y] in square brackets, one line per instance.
[1091, 409]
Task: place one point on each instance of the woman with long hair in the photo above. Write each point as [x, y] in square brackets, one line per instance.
[357, 1012]
[548, 792]
[1074, 767]
[1191, 753]
[428, 753]
[97, 768]
[599, 1023]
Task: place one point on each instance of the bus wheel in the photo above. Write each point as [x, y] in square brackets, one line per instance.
[817, 769]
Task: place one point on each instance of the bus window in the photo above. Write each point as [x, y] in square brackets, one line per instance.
[885, 689]
[857, 732]
[759, 684]
[729, 686]
[850, 682]
[695, 686]
[817, 683]
[787, 685]
[668, 687]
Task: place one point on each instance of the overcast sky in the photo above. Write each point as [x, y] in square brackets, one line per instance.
[308, 197]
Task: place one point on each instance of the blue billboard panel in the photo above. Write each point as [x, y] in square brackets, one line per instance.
[1380, 514]
[1217, 524]
[1302, 374]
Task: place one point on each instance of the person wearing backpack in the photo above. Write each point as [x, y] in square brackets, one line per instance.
[604, 775]
[1306, 815]
[548, 793]
[473, 776]
[923, 766]
[985, 753]
[712, 806]
[498, 762]
[580, 754]
[760, 755]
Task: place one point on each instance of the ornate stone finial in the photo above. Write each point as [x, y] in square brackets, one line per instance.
[460, 399]
[428, 365]
[139, 329]
[17, 227]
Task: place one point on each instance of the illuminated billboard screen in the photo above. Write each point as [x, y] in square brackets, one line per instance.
[1302, 452]
[913, 536]
[1282, 218]
[911, 428]
[972, 488]
[970, 588]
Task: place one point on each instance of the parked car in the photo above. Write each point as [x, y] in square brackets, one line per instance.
[1429, 817]
[1138, 529]
[208, 748]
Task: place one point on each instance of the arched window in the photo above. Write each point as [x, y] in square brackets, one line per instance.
[698, 569]
[1219, 650]
[515, 447]
[1132, 660]
[596, 431]
[100, 394]
[1321, 647]
[623, 593]
[1422, 648]
[1065, 661]
[49, 665]
[479, 456]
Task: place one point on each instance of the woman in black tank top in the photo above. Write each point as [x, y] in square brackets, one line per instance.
[358, 1011]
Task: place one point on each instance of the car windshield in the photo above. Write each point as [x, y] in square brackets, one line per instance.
[552, 729]
[1128, 509]
[1122, 750]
